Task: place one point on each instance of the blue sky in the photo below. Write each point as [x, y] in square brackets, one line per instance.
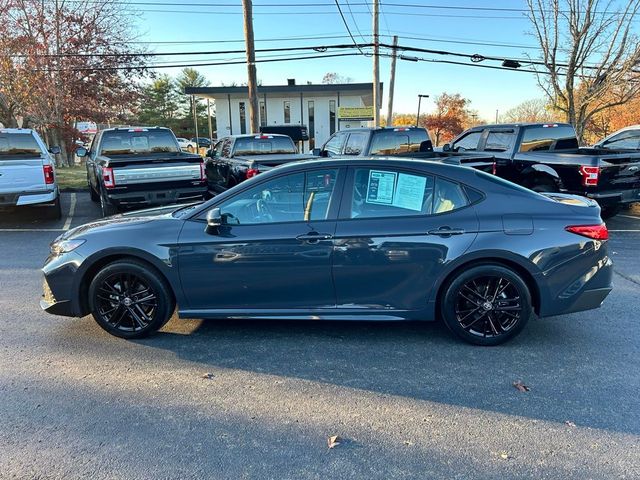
[457, 30]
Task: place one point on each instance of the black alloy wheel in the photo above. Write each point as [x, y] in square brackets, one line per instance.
[130, 300]
[487, 305]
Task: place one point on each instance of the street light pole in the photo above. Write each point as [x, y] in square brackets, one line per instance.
[420, 97]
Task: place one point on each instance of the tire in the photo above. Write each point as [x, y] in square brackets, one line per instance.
[482, 318]
[93, 194]
[130, 299]
[55, 211]
[107, 208]
[609, 211]
[543, 186]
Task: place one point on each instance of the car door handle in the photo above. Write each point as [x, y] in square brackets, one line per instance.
[446, 231]
[313, 237]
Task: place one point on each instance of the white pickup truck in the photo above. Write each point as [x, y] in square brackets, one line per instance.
[27, 171]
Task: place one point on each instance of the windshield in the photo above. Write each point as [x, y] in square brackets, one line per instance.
[135, 141]
[264, 145]
[18, 144]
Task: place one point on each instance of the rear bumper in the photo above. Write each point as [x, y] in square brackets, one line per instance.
[617, 197]
[27, 198]
[157, 196]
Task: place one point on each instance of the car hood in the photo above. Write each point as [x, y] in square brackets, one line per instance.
[124, 220]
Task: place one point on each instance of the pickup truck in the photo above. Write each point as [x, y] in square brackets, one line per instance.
[236, 158]
[27, 171]
[547, 158]
[136, 167]
[413, 142]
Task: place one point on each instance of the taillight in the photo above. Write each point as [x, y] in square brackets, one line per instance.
[494, 168]
[203, 175]
[596, 232]
[589, 176]
[252, 172]
[48, 174]
[108, 177]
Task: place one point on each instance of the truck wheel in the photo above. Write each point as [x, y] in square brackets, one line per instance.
[486, 304]
[543, 186]
[55, 211]
[130, 299]
[93, 194]
[107, 207]
[609, 211]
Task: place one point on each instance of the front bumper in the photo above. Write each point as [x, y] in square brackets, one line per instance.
[51, 305]
[60, 293]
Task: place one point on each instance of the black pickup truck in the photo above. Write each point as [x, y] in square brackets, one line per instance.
[136, 167]
[413, 142]
[236, 158]
[547, 158]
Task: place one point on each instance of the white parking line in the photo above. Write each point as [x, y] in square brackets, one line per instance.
[624, 230]
[72, 209]
[628, 216]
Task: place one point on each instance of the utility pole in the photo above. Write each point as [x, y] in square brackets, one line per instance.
[420, 97]
[247, 8]
[392, 81]
[194, 106]
[376, 65]
[209, 118]
[496, 115]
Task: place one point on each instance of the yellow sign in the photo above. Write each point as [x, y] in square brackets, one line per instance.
[355, 113]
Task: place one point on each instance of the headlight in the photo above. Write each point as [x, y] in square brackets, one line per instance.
[65, 246]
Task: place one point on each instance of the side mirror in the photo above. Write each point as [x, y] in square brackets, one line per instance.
[426, 146]
[446, 147]
[214, 220]
[211, 153]
[316, 152]
[324, 153]
[81, 152]
[55, 150]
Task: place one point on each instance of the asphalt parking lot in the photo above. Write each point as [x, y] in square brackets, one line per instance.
[408, 400]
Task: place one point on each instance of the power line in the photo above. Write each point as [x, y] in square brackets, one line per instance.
[346, 25]
[354, 21]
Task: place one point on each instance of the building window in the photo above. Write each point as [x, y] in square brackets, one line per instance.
[287, 112]
[312, 124]
[263, 114]
[243, 118]
[332, 117]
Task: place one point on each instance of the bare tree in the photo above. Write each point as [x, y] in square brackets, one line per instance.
[589, 52]
[535, 110]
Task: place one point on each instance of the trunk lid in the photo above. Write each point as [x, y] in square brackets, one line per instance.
[270, 161]
[620, 171]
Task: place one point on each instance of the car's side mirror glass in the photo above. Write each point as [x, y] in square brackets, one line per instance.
[55, 150]
[81, 152]
[214, 220]
[446, 147]
[316, 152]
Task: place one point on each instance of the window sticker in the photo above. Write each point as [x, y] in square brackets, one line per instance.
[409, 192]
[381, 187]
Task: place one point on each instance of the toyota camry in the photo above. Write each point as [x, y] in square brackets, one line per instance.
[341, 239]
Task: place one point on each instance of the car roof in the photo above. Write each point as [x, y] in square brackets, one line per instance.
[126, 129]
[16, 130]
[519, 125]
[381, 129]
[252, 135]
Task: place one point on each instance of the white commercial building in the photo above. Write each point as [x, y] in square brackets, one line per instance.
[323, 109]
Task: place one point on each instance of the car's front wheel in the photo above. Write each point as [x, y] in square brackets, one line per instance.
[486, 304]
[130, 299]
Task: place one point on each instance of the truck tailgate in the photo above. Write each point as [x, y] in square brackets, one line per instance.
[137, 174]
[21, 175]
[620, 171]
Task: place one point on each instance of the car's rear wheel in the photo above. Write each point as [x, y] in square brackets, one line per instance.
[106, 207]
[130, 299]
[486, 304]
[95, 196]
[55, 211]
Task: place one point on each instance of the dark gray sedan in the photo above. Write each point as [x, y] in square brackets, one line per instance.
[341, 239]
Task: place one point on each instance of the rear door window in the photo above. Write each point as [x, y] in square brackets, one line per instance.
[355, 144]
[468, 143]
[499, 141]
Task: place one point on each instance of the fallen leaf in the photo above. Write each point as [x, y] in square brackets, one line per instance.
[408, 443]
[505, 455]
[521, 386]
[333, 441]
[569, 423]
[208, 376]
